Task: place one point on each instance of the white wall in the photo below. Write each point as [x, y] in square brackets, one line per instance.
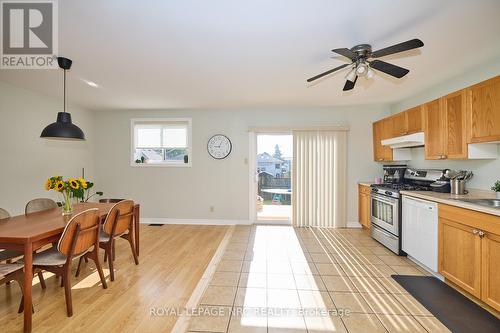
[26, 160]
[486, 172]
[223, 184]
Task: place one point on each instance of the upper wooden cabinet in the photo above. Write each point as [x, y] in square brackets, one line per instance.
[415, 120]
[382, 130]
[454, 108]
[445, 127]
[483, 114]
[407, 122]
[434, 128]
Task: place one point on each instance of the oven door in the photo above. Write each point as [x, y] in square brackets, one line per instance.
[385, 213]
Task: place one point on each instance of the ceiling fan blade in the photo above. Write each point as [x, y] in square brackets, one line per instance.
[405, 46]
[388, 68]
[346, 53]
[327, 72]
[349, 85]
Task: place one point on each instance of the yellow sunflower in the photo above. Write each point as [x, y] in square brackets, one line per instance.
[48, 184]
[74, 184]
[59, 186]
[83, 182]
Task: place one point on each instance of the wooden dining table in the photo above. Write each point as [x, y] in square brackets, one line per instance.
[30, 232]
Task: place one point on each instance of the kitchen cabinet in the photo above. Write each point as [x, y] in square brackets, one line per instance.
[414, 119]
[382, 130]
[469, 252]
[364, 202]
[407, 122]
[454, 108]
[483, 112]
[434, 125]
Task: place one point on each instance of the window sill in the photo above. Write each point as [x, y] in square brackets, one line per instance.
[160, 165]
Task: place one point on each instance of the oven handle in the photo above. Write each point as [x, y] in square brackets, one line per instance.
[387, 200]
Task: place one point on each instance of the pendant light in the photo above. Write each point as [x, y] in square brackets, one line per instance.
[63, 128]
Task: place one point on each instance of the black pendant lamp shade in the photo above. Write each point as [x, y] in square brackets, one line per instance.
[63, 128]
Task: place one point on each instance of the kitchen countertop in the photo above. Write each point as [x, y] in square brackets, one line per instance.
[365, 183]
[448, 199]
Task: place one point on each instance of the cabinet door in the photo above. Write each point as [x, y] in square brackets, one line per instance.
[490, 286]
[414, 118]
[454, 106]
[399, 124]
[378, 149]
[364, 206]
[434, 130]
[484, 111]
[387, 133]
[460, 255]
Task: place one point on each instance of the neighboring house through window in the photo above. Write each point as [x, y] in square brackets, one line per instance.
[161, 142]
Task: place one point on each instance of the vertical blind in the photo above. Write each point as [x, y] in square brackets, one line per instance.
[319, 173]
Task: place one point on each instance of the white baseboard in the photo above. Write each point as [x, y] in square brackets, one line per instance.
[353, 225]
[165, 220]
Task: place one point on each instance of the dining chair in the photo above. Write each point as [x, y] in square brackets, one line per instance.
[79, 238]
[39, 204]
[118, 224]
[8, 255]
[110, 200]
[13, 272]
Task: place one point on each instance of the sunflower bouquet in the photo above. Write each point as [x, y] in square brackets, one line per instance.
[78, 188]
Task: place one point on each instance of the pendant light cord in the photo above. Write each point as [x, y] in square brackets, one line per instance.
[64, 92]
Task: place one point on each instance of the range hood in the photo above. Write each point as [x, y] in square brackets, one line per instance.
[405, 141]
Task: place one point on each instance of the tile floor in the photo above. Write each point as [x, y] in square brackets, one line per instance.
[284, 279]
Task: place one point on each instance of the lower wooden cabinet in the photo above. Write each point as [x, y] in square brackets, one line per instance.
[490, 262]
[460, 255]
[364, 202]
[469, 252]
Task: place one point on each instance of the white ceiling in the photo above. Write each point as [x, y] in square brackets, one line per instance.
[256, 53]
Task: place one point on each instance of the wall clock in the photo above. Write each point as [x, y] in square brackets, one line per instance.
[219, 146]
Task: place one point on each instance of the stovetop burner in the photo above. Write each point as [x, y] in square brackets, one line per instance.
[403, 187]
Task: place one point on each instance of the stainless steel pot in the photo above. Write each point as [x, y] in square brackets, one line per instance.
[458, 186]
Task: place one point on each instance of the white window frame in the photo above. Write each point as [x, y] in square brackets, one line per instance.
[168, 164]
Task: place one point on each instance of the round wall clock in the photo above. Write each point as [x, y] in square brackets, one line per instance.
[219, 146]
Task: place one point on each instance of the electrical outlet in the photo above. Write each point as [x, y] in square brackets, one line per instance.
[212, 209]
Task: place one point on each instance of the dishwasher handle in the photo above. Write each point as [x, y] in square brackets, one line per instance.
[420, 203]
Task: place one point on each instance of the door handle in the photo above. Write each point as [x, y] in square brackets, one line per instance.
[481, 233]
[475, 231]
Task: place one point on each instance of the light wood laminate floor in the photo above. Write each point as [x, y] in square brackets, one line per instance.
[172, 261]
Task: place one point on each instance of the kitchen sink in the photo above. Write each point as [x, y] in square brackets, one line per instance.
[493, 203]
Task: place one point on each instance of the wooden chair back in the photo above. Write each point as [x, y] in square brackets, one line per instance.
[4, 214]
[37, 205]
[80, 234]
[110, 200]
[120, 218]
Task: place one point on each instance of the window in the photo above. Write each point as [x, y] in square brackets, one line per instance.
[161, 142]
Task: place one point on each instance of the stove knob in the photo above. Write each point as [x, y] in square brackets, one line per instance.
[388, 192]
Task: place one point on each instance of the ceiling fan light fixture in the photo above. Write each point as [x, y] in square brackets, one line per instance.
[351, 76]
[370, 73]
[361, 69]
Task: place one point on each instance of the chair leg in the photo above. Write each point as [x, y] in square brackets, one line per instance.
[42, 280]
[114, 250]
[110, 261]
[95, 258]
[86, 260]
[132, 246]
[105, 254]
[80, 265]
[67, 289]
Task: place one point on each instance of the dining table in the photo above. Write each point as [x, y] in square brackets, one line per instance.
[30, 232]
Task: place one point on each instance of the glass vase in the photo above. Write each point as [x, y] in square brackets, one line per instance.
[67, 207]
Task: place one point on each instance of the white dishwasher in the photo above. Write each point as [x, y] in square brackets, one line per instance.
[420, 231]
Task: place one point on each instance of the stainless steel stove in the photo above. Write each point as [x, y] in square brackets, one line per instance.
[386, 203]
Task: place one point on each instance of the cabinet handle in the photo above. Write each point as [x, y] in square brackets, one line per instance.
[380, 159]
[475, 231]
[481, 233]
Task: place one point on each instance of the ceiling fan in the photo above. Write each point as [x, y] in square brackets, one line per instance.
[362, 66]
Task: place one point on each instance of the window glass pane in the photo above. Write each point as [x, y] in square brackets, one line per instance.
[175, 136]
[148, 137]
